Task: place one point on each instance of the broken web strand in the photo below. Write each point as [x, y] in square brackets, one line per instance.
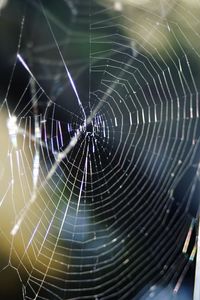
[73, 141]
[66, 68]
[36, 162]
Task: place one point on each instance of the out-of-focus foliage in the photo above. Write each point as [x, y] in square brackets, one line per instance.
[149, 22]
[3, 3]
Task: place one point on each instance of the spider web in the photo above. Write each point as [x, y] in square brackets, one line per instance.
[100, 149]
